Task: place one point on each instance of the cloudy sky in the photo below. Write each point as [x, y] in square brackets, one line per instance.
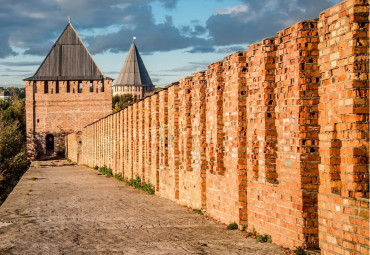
[175, 37]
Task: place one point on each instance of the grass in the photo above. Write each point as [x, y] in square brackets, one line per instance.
[106, 171]
[136, 182]
[119, 177]
[232, 226]
[264, 238]
[198, 211]
[300, 251]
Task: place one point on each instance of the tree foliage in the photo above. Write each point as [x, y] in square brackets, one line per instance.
[120, 102]
[16, 92]
[13, 158]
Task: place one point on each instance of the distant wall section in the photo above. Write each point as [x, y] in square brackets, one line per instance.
[274, 138]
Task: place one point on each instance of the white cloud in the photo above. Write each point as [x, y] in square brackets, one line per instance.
[233, 10]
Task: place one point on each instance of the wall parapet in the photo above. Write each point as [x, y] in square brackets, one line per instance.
[274, 138]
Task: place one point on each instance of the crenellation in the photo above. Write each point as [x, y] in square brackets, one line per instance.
[54, 106]
[274, 138]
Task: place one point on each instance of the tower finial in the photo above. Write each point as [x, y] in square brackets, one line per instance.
[69, 19]
[133, 39]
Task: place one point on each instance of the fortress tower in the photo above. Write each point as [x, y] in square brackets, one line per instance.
[67, 92]
[133, 78]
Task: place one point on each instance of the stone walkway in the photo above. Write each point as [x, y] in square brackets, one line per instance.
[63, 209]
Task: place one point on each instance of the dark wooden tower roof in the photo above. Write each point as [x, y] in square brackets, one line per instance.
[68, 59]
[133, 71]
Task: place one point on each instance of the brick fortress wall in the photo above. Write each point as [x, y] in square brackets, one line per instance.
[274, 138]
[53, 110]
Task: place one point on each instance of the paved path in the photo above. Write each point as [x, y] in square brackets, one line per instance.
[72, 210]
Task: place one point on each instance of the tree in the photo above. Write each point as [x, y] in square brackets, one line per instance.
[120, 102]
[13, 158]
[16, 92]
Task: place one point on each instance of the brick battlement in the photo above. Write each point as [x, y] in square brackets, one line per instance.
[274, 138]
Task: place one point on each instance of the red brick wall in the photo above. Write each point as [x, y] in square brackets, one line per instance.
[166, 175]
[283, 135]
[344, 121]
[274, 138]
[130, 142]
[153, 171]
[148, 139]
[172, 175]
[198, 152]
[186, 175]
[141, 137]
[215, 138]
[62, 113]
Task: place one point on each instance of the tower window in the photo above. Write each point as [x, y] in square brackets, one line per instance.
[68, 87]
[91, 86]
[80, 87]
[46, 87]
[57, 87]
[102, 86]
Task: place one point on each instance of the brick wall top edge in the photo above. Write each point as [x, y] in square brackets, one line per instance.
[186, 78]
[268, 38]
[64, 79]
[250, 47]
[163, 91]
[172, 84]
[335, 6]
[295, 26]
[156, 92]
[265, 41]
[137, 85]
[199, 72]
[217, 63]
[344, 6]
[234, 54]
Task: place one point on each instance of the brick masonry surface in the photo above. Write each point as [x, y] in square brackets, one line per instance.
[274, 138]
[57, 108]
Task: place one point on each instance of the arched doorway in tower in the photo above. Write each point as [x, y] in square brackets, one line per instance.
[49, 144]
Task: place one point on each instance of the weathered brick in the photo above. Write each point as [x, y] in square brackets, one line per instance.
[274, 138]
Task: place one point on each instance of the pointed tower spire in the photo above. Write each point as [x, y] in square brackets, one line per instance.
[133, 71]
[68, 59]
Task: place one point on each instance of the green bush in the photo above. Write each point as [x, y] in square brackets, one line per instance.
[120, 102]
[148, 188]
[264, 238]
[136, 183]
[118, 177]
[13, 157]
[198, 211]
[106, 171]
[232, 226]
[300, 251]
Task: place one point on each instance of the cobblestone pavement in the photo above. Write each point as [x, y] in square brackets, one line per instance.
[58, 208]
